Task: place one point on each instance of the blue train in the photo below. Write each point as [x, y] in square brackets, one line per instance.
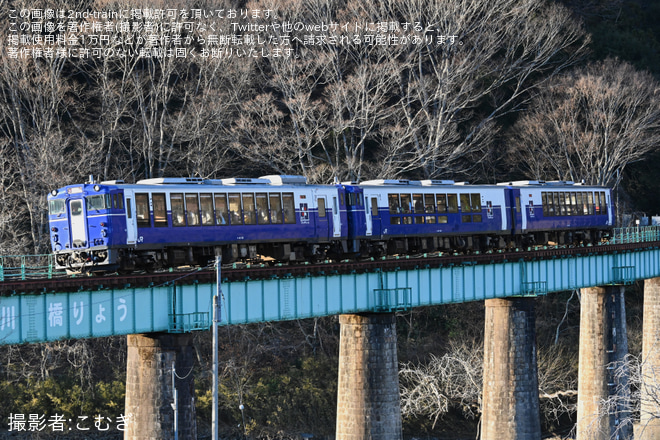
[170, 222]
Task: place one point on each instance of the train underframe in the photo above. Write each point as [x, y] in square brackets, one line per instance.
[128, 259]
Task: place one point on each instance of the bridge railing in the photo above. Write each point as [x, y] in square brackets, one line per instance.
[635, 234]
[22, 267]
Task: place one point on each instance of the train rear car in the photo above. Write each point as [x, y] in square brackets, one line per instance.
[561, 212]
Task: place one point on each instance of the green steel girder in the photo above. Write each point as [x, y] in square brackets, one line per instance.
[52, 316]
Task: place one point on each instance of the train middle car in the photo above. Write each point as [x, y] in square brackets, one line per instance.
[171, 222]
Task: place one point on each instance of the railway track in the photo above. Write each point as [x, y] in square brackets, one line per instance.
[253, 272]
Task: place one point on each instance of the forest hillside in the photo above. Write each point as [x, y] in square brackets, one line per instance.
[476, 90]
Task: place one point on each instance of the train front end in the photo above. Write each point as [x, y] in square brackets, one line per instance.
[81, 220]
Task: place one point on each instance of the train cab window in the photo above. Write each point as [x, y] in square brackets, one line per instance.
[160, 210]
[395, 205]
[418, 204]
[192, 209]
[452, 203]
[475, 202]
[56, 207]
[590, 203]
[276, 208]
[221, 211]
[465, 203]
[206, 209]
[374, 207]
[142, 210]
[406, 204]
[262, 209]
[235, 212]
[249, 210]
[94, 203]
[288, 208]
[76, 207]
[441, 202]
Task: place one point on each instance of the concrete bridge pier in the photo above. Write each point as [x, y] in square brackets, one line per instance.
[510, 377]
[649, 426]
[368, 406]
[149, 392]
[603, 346]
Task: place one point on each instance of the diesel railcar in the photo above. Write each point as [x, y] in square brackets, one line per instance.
[170, 222]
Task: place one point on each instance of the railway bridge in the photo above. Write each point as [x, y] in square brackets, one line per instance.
[158, 312]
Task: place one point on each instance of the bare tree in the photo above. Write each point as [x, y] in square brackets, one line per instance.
[589, 124]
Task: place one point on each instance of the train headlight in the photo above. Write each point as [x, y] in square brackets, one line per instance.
[54, 192]
[97, 188]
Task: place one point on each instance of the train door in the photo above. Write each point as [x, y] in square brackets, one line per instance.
[77, 219]
[322, 227]
[517, 218]
[131, 226]
[336, 217]
[367, 216]
[375, 215]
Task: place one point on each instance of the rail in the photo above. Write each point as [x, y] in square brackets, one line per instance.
[22, 267]
[639, 234]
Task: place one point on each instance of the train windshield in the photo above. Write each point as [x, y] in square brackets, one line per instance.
[98, 202]
[56, 207]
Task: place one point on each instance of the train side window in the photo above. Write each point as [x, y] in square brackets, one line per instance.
[395, 220]
[288, 208]
[585, 206]
[206, 208]
[160, 210]
[129, 211]
[374, 207]
[429, 207]
[442, 219]
[276, 208]
[465, 203]
[551, 205]
[544, 202]
[406, 205]
[590, 203]
[418, 204]
[249, 210]
[562, 204]
[395, 204]
[580, 206]
[476, 218]
[555, 197]
[142, 210]
[221, 211]
[466, 219]
[262, 209]
[321, 205]
[235, 209]
[574, 204]
[475, 202]
[419, 219]
[452, 203]
[192, 209]
[441, 202]
[603, 206]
